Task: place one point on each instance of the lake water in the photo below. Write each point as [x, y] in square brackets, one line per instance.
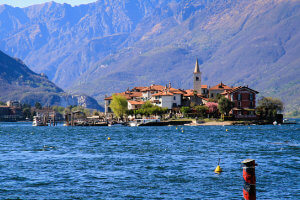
[146, 162]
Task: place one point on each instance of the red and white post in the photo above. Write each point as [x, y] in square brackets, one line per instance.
[249, 190]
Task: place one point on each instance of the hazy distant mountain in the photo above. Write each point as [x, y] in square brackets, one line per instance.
[110, 45]
[18, 82]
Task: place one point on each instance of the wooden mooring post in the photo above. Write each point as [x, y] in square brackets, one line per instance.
[249, 190]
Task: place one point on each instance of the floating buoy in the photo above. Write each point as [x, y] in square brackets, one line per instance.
[108, 138]
[218, 168]
[182, 131]
[226, 130]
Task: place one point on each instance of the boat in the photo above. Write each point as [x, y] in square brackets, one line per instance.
[287, 121]
[142, 122]
[115, 124]
[38, 121]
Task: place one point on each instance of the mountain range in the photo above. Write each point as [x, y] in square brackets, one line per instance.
[18, 82]
[109, 45]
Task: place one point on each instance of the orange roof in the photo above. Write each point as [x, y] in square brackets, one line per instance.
[135, 94]
[128, 95]
[153, 88]
[139, 88]
[136, 102]
[190, 93]
[204, 86]
[163, 94]
[220, 86]
[176, 91]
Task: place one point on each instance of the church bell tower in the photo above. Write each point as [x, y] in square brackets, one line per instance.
[197, 78]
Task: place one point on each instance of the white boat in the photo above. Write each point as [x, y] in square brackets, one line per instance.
[139, 122]
[38, 121]
[116, 124]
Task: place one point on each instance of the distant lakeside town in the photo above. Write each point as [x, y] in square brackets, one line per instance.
[217, 104]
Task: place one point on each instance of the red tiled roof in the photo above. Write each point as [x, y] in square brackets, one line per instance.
[136, 102]
[204, 86]
[163, 94]
[220, 86]
[190, 93]
[136, 94]
[127, 94]
[153, 88]
[176, 91]
[139, 88]
[238, 88]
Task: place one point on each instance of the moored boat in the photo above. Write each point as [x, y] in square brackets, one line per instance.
[142, 122]
[38, 121]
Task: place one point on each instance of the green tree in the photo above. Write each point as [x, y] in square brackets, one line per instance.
[201, 111]
[119, 105]
[58, 109]
[2, 103]
[268, 107]
[38, 105]
[147, 105]
[27, 113]
[86, 112]
[185, 110]
[225, 105]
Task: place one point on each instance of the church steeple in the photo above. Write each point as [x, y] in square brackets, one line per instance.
[197, 78]
[197, 67]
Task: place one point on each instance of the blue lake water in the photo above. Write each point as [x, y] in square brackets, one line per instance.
[146, 162]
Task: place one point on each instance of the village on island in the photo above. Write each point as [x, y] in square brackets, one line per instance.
[158, 105]
[201, 101]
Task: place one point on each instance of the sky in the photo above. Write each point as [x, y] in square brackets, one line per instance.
[25, 3]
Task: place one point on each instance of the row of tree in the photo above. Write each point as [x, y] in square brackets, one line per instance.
[119, 106]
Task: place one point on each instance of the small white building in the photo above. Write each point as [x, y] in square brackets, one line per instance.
[167, 99]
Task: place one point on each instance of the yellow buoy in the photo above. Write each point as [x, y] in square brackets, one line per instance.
[182, 130]
[226, 130]
[108, 138]
[218, 168]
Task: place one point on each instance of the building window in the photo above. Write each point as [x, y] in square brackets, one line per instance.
[239, 97]
[239, 112]
[250, 96]
[197, 78]
[239, 104]
[174, 97]
[156, 97]
[251, 104]
[212, 95]
[231, 96]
